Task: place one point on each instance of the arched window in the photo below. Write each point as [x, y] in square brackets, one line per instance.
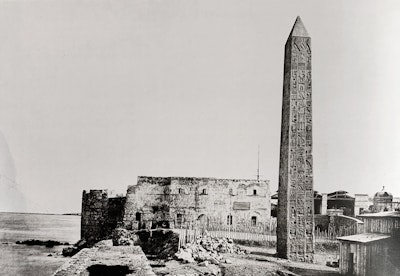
[231, 191]
[254, 192]
[204, 192]
[181, 191]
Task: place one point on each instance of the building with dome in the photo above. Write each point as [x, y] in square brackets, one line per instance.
[383, 201]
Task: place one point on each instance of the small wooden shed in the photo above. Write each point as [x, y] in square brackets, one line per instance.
[364, 254]
[383, 222]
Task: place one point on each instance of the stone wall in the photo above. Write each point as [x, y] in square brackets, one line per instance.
[107, 260]
[173, 202]
[361, 203]
[147, 201]
[100, 214]
[182, 201]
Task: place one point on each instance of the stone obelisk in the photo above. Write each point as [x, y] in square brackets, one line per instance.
[295, 231]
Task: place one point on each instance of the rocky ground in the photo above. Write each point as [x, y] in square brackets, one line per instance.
[211, 256]
[215, 256]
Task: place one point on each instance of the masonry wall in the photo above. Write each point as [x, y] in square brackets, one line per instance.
[361, 203]
[147, 201]
[100, 214]
[182, 201]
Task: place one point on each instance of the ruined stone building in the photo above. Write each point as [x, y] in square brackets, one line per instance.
[174, 202]
[179, 201]
[102, 212]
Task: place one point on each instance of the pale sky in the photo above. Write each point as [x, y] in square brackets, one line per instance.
[95, 93]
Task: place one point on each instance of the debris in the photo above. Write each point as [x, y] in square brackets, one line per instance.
[332, 264]
[185, 256]
[162, 243]
[205, 263]
[121, 236]
[227, 261]
[208, 250]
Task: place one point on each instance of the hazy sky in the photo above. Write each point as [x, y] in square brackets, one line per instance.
[95, 93]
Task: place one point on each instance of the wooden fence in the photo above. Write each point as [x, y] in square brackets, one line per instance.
[262, 233]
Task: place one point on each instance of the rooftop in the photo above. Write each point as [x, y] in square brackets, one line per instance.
[364, 238]
[383, 193]
[389, 214]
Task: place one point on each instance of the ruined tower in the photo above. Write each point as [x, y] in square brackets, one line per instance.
[295, 232]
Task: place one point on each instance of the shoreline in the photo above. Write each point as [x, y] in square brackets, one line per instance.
[50, 214]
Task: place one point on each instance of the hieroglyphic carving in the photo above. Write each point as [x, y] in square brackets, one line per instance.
[300, 139]
[296, 167]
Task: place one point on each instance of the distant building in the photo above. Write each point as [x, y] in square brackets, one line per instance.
[341, 200]
[361, 203]
[383, 201]
[338, 202]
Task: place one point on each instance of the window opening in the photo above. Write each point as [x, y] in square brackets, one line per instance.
[229, 219]
[179, 219]
[254, 221]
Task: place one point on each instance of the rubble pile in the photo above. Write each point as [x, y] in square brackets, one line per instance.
[207, 250]
[158, 243]
[121, 236]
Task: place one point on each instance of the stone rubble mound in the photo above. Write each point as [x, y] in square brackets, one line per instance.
[207, 250]
[121, 237]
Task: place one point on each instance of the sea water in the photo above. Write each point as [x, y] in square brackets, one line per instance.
[20, 259]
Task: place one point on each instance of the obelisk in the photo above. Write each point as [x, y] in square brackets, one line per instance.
[295, 230]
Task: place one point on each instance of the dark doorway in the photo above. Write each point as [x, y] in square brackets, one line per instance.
[351, 264]
[105, 270]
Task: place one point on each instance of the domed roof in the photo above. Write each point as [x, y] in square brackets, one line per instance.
[383, 193]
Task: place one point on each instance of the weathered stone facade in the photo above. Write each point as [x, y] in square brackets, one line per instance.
[181, 201]
[101, 213]
[295, 197]
[173, 202]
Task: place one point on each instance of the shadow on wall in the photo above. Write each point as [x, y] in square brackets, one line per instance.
[105, 270]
